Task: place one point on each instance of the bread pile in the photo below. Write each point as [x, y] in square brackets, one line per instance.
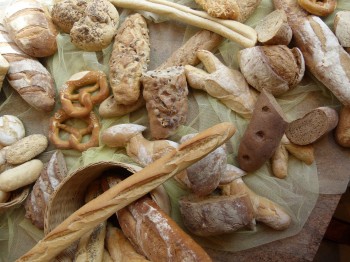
[217, 201]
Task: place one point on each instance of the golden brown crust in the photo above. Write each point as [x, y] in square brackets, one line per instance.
[342, 133]
[318, 7]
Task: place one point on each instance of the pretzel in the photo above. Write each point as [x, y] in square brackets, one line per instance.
[318, 7]
[76, 135]
[80, 104]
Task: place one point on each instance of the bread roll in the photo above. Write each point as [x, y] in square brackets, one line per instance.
[216, 215]
[312, 126]
[324, 57]
[156, 235]
[129, 59]
[111, 108]
[27, 75]
[319, 7]
[342, 28]
[95, 30]
[276, 69]
[30, 26]
[11, 130]
[342, 133]
[165, 92]
[263, 134]
[274, 29]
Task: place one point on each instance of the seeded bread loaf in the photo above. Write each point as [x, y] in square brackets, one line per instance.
[312, 126]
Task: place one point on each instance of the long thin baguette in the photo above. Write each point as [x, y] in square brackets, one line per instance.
[232, 30]
[325, 58]
[127, 191]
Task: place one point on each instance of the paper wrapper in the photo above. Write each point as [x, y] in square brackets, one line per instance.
[297, 193]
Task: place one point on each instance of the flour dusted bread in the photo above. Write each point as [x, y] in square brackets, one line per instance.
[312, 126]
[129, 59]
[165, 92]
[95, 30]
[324, 57]
[30, 25]
[263, 134]
[27, 75]
[342, 28]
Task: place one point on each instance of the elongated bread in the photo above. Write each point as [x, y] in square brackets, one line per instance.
[127, 191]
[342, 28]
[30, 26]
[342, 133]
[27, 75]
[325, 58]
[312, 126]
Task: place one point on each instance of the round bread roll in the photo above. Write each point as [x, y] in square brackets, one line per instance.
[97, 27]
[11, 130]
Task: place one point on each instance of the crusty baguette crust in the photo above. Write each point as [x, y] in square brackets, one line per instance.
[324, 56]
[342, 133]
[127, 191]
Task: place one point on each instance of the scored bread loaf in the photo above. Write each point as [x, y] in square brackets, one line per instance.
[27, 75]
[30, 26]
[129, 59]
[50, 177]
[312, 126]
[263, 134]
[155, 235]
[324, 57]
[165, 92]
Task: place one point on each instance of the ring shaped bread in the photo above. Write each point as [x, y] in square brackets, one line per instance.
[319, 7]
[76, 135]
[87, 95]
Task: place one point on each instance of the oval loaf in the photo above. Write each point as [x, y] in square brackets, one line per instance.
[11, 130]
[26, 149]
[30, 25]
[20, 176]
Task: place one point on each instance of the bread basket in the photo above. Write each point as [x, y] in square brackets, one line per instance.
[69, 195]
[16, 198]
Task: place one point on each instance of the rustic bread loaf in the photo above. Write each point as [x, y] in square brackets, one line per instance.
[129, 59]
[274, 29]
[324, 57]
[96, 29]
[263, 134]
[110, 108]
[165, 92]
[30, 25]
[342, 132]
[216, 215]
[312, 126]
[342, 28]
[11, 130]
[27, 75]
[50, 177]
[276, 68]
[65, 13]
[155, 235]
[4, 67]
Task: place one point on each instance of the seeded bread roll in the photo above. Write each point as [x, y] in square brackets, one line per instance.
[312, 126]
[30, 25]
[263, 134]
[165, 92]
[342, 133]
[96, 29]
[274, 29]
[65, 13]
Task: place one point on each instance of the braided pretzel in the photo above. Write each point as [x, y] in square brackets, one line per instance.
[76, 135]
[86, 96]
[319, 7]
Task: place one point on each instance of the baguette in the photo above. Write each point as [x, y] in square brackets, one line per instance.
[30, 25]
[342, 132]
[279, 162]
[303, 153]
[127, 191]
[325, 58]
[27, 75]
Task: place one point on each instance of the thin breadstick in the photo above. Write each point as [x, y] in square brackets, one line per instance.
[127, 191]
[232, 30]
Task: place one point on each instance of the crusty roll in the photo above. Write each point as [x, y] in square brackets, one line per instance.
[312, 126]
[274, 29]
[4, 67]
[156, 235]
[216, 215]
[263, 134]
[30, 26]
[275, 68]
[324, 57]
[165, 92]
[27, 75]
[319, 7]
[129, 59]
[342, 133]
[342, 28]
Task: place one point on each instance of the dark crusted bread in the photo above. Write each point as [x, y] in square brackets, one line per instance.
[312, 126]
[263, 134]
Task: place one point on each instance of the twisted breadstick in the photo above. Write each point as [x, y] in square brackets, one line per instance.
[232, 30]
